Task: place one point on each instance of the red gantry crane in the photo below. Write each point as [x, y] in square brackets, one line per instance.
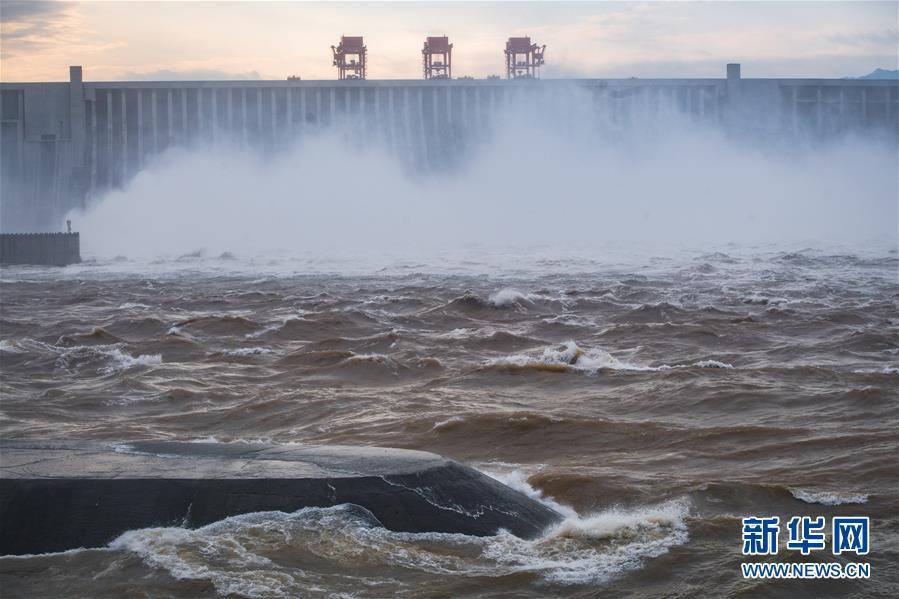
[349, 57]
[523, 59]
[437, 58]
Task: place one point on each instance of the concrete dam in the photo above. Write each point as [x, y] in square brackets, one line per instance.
[65, 143]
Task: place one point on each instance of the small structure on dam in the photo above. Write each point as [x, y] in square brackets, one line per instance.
[523, 59]
[349, 57]
[57, 496]
[437, 58]
[40, 249]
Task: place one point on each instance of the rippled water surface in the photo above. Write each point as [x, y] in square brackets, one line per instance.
[653, 401]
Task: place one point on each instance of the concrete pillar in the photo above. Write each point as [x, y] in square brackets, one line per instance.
[333, 106]
[733, 92]
[109, 179]
[94, 143]
[214, 129]
[702, 104]
[864, 106]
[423, 138]
[140, 128]
[154, 120]
[185, 129]
[124, 169]
[77, 116]
[407, 122]
[201, 130]
[463, 103]
[391, 117]
[260, 132]
[289, 100]
[243, 112]
[298, 122]
[476, 111]
[379, 122]
[795, 108]
[275, 128]
[819, 119]
[229, 117]
[435, 112]
[843, 114]
[170, 111]
[20, 134]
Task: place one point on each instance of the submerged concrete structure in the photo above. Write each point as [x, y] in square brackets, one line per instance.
[64, 143]
[59, 496]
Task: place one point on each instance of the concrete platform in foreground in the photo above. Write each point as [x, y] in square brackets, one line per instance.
[59, 496]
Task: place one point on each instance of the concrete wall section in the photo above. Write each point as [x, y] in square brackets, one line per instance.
[48, 249]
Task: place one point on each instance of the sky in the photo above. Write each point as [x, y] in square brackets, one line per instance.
[179, 40]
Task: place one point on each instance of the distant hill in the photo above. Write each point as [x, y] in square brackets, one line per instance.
[881, 74]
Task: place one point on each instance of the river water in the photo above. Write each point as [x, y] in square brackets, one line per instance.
[654, 399]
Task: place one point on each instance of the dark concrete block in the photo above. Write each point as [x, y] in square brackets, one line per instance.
[55, 497]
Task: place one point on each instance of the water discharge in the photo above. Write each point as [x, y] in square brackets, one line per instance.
[559, 181]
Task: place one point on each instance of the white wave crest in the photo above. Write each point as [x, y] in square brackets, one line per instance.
[828, 497]
[248, 351]
[595, 547]
[712, 364]
[123, 361]
[449, 422]
[278, 326]
[133, 306]
[10, 347]
[568, 356]
[509, 298]
[571, 357]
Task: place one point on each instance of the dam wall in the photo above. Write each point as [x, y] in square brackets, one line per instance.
[65, 143]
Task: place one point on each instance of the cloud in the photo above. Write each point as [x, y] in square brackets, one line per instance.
[882, 38]
[185, 75]
[23, 10]
[29, 26]
[38, 39]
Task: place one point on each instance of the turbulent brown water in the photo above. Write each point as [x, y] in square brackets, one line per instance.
[654, 401]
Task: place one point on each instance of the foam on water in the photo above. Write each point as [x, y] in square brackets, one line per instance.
[247, 554]
[133, 306]
[569, 357]
[277, 326]
[829, 497]
[712, 364]
[884, 370]
[509, 298]
[123, 361]
[10, 347]
[70, 357]
[248, 351]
